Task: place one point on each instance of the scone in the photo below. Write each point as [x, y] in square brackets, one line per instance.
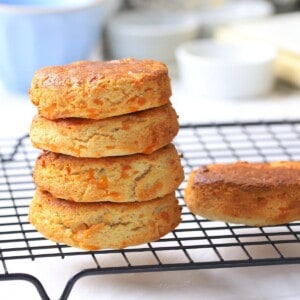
[93, 226]
[137, 177]
[257, 194]
[98, 90]
[140, 132]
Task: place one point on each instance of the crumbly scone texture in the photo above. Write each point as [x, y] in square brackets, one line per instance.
[93, 226]
[137, 177]
[257, 194]
[98, 90]
[140, 132]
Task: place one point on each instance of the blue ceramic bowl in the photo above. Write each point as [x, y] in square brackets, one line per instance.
[38, 33]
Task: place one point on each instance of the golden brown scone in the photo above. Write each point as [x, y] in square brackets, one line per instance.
[257, 194]
[98, 90]
[140, 132]
[137, 177]
[93, 226]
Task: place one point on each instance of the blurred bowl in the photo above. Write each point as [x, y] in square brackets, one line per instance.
[36, 33]
[142, 34]
[168, 5]
[232, 12]
[216, 69]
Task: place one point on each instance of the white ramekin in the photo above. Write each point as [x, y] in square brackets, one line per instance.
[228, 70]
[143, 34]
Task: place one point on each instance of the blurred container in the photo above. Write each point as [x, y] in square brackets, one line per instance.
[214, 69]
[154, 35]
[279, 31]
[233, 11]
[180, 5]
[211, 14]
[34, 34]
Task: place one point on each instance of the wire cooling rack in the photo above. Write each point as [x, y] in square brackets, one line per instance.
[195, 244]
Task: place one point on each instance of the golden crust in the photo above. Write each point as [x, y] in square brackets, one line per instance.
[257, 194]
[98, 90]
[140, 132]
[93, 226]
[137, 177]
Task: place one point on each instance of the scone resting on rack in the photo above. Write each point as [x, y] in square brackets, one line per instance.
[98, 90]
[257, 194]
[137, 177]
[139, 132]
[94, 226]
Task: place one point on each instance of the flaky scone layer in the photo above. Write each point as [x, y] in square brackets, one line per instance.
[98, 90]
[140, 132]
[93, 226]
[137, 177]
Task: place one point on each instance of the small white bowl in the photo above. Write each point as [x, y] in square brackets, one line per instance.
[143, 34]
[228, 70]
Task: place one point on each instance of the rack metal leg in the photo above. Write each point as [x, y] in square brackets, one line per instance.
[27, 277]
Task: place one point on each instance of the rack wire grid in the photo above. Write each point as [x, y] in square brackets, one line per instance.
[196, 243]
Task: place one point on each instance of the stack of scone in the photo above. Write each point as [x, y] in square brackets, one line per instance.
[108, 173]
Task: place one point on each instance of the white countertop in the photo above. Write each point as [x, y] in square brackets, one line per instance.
[270, 282]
